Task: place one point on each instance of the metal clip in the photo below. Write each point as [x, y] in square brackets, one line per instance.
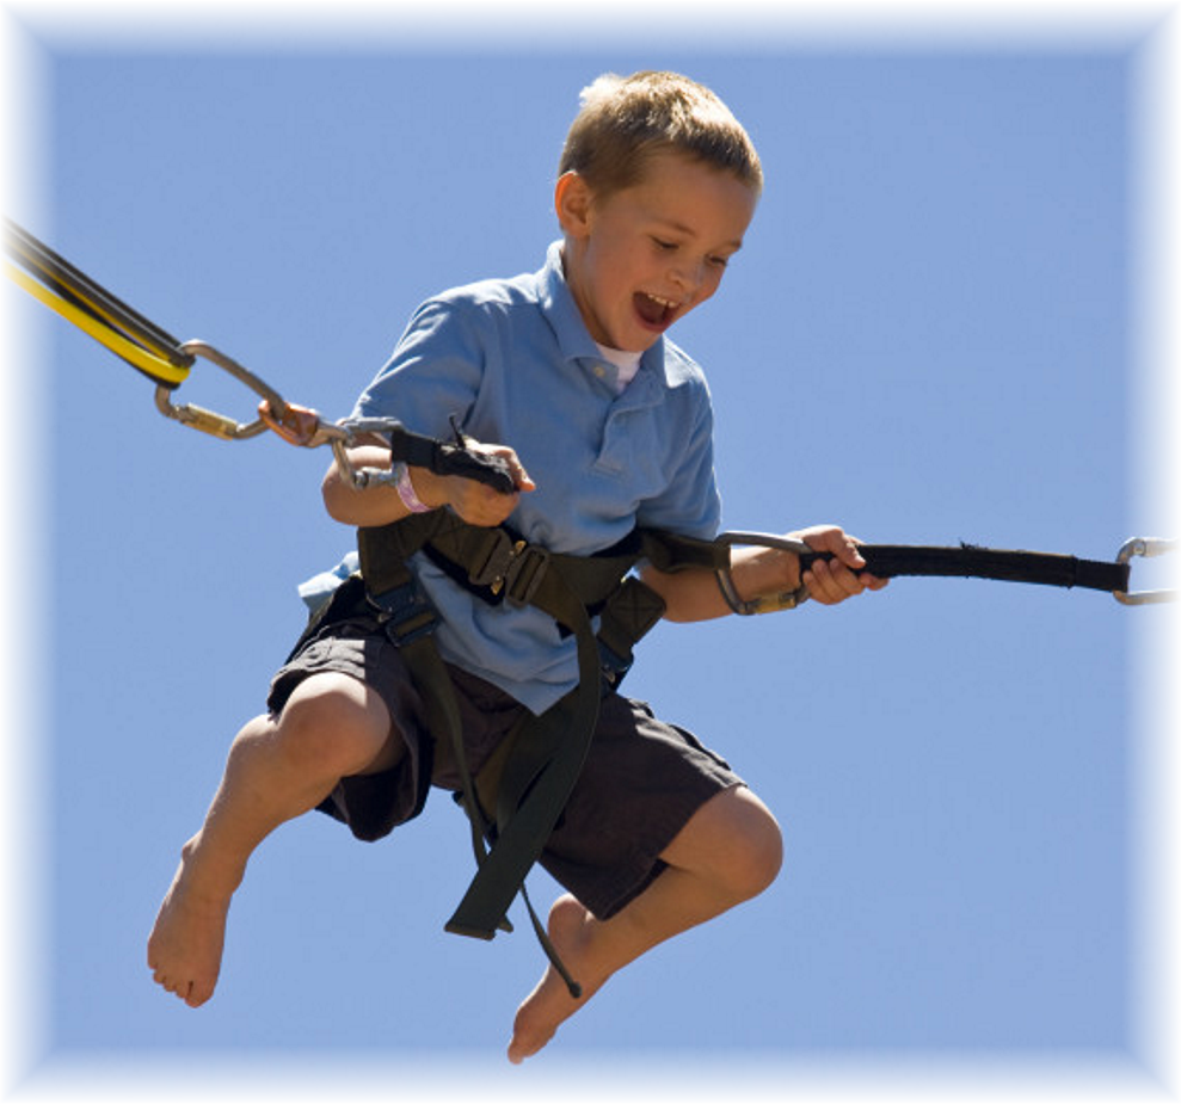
[346, 433]
[525, 573]
[510, 569]
[218, 425]
[498, 564]
[514, 567]
[1145, 546]
[405, 613]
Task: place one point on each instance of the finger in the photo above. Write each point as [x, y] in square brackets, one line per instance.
[833, 582]
[520, 476]
[848, 552]
[837, 543]
[820, 588]
[818, 580]
[517, 470]
[521, 480]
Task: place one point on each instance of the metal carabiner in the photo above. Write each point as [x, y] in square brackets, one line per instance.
[1145, 546]
[346, 433]
[218, 425]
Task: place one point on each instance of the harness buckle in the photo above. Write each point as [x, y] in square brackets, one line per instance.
[613, 668]
[514, 567]
[405, 613]
[525, 573]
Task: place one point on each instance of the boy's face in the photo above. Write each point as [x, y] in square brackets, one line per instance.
[642, 258]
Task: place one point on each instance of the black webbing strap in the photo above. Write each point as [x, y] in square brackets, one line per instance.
[449, 458]
[670, 552]
[409, 621]
[969, 561]
[549, 750]
[965, 561]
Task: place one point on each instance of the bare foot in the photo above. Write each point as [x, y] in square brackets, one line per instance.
[185, 947]
[550, 1004]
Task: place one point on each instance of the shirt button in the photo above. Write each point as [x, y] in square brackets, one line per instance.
[600, 371]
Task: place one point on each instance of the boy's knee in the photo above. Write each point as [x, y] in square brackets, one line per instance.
[764, 857]
[333, 725]
[756, 858]
[734, 841]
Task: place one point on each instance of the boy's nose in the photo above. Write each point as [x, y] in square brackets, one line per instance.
[690, 277]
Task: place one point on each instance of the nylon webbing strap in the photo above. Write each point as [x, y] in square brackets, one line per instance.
[384, 550]
[670, 552]
[497, 566]
[448, 458]
[536, 785]
[534, 789]
[89, 306]
[410, 621]
[539, 780]
[968, 561]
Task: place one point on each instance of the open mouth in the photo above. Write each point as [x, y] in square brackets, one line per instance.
[655, 312]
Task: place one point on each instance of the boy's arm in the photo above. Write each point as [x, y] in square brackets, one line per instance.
[694, 595]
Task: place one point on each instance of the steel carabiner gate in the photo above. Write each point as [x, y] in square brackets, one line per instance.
[208, 421]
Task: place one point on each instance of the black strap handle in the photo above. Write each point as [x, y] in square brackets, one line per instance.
[447, 458]
[969, 561]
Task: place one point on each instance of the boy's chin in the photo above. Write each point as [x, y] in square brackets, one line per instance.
[643, 336]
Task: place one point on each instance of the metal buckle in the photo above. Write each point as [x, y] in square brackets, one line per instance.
[515, 567]
[405, 613]
[491, 573]
[525, 573]
[1145, 546]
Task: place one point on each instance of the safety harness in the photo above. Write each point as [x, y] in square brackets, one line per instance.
[515, 803]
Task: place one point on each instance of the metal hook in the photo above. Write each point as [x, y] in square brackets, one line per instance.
[218, 425]
[1145, 546]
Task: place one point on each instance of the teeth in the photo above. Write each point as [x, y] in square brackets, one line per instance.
[663, 302]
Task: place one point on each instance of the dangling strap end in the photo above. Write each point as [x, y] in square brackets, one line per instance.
[572, 986]
[452, 928]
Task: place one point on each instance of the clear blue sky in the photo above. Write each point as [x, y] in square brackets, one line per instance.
[931, 336]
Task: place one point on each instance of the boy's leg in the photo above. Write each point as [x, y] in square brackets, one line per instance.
[729, 851]
[331, 727]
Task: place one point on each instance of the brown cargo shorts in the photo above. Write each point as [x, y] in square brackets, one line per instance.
[642, 781]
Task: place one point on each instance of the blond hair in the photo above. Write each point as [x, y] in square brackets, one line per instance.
[626, 120]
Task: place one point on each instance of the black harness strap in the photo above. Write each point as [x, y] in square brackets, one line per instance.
[969, 561]
[965, 561]
[549, 751]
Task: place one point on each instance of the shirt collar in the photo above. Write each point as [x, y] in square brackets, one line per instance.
[561, 312]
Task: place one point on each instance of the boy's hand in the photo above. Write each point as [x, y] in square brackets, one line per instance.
[832, 581]
[475, 502]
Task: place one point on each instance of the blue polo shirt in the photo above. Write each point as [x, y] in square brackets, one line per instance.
[514, 362]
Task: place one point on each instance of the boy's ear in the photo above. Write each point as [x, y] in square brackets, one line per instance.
[572, 201]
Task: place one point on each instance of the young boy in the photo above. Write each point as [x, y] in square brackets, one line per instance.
[604, 425]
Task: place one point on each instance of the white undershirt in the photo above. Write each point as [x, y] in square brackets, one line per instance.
[627, 364]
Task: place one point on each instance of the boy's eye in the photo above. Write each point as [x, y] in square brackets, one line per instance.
[667, 246]
[719, 262]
